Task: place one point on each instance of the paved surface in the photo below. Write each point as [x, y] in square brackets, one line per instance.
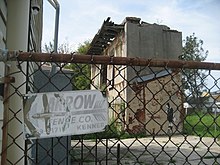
[144, 151]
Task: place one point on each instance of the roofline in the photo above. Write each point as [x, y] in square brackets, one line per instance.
[108, 31]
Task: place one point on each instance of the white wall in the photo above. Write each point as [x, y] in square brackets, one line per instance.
[17, 39]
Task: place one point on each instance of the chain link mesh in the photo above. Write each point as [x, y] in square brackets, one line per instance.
[157, 115]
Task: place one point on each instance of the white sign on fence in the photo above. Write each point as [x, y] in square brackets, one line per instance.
[55, 114]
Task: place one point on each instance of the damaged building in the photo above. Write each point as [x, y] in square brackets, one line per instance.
[139, 94]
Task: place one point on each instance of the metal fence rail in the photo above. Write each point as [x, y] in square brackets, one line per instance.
[97, 59]
[153, 117]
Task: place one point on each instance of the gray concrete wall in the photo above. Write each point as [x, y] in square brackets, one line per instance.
[51, 150]
[149, 41]
[152, 41]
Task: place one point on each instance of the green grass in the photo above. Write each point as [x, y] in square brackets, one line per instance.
[199, 124]
[203, 125]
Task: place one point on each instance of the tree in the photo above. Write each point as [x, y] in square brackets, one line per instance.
[62, 48]
[194, 80]
[48, 48]
[81, 72]
[83, 48]
[81, 77]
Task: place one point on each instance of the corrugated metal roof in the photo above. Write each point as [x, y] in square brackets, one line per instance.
[153, 76]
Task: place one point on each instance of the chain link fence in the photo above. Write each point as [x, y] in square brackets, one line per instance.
[160, 111]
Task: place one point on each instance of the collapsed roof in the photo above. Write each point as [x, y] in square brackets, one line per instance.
[104, 37]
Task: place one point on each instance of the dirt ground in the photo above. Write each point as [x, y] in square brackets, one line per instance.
[177, 149]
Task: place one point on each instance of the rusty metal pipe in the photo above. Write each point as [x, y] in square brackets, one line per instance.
[98, 59]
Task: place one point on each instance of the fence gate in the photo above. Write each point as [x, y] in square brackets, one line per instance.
[158, 111]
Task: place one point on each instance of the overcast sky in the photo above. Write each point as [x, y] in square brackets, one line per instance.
[80, 20]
